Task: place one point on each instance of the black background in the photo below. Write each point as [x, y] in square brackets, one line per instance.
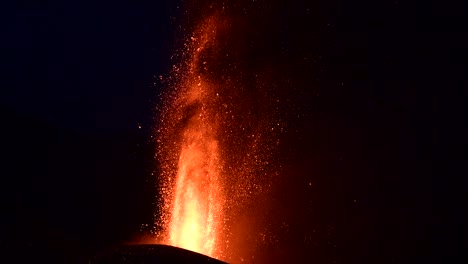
[76, 168]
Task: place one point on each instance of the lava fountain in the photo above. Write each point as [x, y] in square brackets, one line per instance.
[195, 198]
[218, 132]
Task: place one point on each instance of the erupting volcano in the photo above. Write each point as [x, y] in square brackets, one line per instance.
[195, 199]
[197, 205]
[213, 141]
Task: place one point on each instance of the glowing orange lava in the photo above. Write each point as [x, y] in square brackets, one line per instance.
[219, 128]
[194, 199]
[197, 205]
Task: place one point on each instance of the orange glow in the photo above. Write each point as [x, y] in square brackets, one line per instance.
[218, 134]
[197, 205]
[194, 198]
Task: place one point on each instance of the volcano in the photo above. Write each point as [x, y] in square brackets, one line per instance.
[151, 253]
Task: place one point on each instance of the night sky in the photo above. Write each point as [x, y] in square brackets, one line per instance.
[380, 89]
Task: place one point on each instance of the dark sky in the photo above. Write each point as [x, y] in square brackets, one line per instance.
[87, 66]
[77, 171]
[79, 81]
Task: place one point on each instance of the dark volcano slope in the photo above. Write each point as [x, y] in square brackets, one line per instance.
[149, 254]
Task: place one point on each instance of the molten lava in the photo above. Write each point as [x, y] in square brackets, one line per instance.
[218, 131]
[197, 205]
[195, 197]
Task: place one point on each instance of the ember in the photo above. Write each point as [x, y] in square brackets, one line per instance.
[215, 144]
